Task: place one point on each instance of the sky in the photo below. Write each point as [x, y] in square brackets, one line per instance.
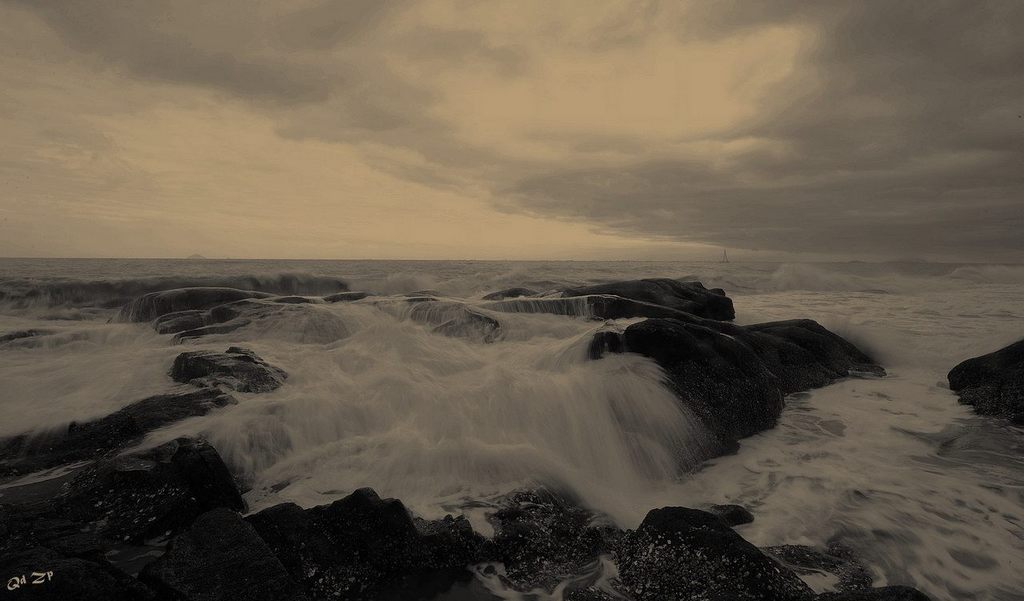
[461, 129]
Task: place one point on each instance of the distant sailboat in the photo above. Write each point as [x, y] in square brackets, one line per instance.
[725, 256]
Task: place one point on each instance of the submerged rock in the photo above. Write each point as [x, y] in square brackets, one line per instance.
[732, 515]
[688, 297]
[19, 334]
[129, 499]
[680, 553]
[886, 593]
[87, 440]
[836, 560]
[594, 306]
[237, 368]
[736, 377]
[361, 545]
[345, 297]
[510, 293]
[155, 304]
[994, 383]
[221, 558]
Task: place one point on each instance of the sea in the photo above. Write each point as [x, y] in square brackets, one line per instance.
[924, 491]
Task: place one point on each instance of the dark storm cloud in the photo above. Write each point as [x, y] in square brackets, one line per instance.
[901, 134]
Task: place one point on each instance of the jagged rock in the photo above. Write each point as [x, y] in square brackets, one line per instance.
[346, 297]
[689, 297]
[680, 553]
[129, 499]
[82, 441]
[237, 368]
[509, 293]
[155, 304]
[362, 544]
[887, 593]
[837, 560]
[732, 515]
[541, 537]
[736, 377]
[994, 383]
[221, 558]
[51, 576]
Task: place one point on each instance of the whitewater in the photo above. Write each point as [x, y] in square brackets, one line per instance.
[924, 491]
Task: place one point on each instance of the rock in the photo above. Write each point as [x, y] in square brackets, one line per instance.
[887, 593]
[594, 306]
[130, 499]
[19, 334]
[346, 297]
[736, 377]
[51, 576]
[237, 368]
[510, 293]
[541, 537]
[994, 383]
[680, 553]
[362, 544]
[295, 300]
[732, 515]
[689, 297]
[155, 304]
[591, 594]
[172, 323]
[836, 560]
[88, 440]
[448, 318]
[221, 558]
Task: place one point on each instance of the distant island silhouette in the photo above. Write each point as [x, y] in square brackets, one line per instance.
[197, 257]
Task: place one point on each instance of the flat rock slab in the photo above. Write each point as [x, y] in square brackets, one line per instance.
[237, 368]
[994, 383]
[689, 297]
[155, 304]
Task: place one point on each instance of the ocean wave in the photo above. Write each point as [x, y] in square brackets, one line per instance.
[112, 293]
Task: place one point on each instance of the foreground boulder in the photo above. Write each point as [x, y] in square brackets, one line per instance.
[129, 499]
[540, 537]
[221, 558]
[87, 440]
[362, 546]
[688, 297]
[735, 377]
[155, 304]
[237, 368]
[994, 383]
[680, 553]
[41, 574]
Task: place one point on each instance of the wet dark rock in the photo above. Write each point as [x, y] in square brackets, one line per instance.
[594, 306]
[994, 383]
[295, 300]
[172, 323]
[155, 304]
[591, 594]
[836, 560]
[88, 440]
[732, 515]
[237, 368]
[221, 558]
[129, 499]
[510, 293]
[735, 377]
[361, 544]
[455, 319]
[19, 334]
[52, 576]
[346, 297]
[541, 537]
[680, 553]
[887, 593]
[689, 297]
